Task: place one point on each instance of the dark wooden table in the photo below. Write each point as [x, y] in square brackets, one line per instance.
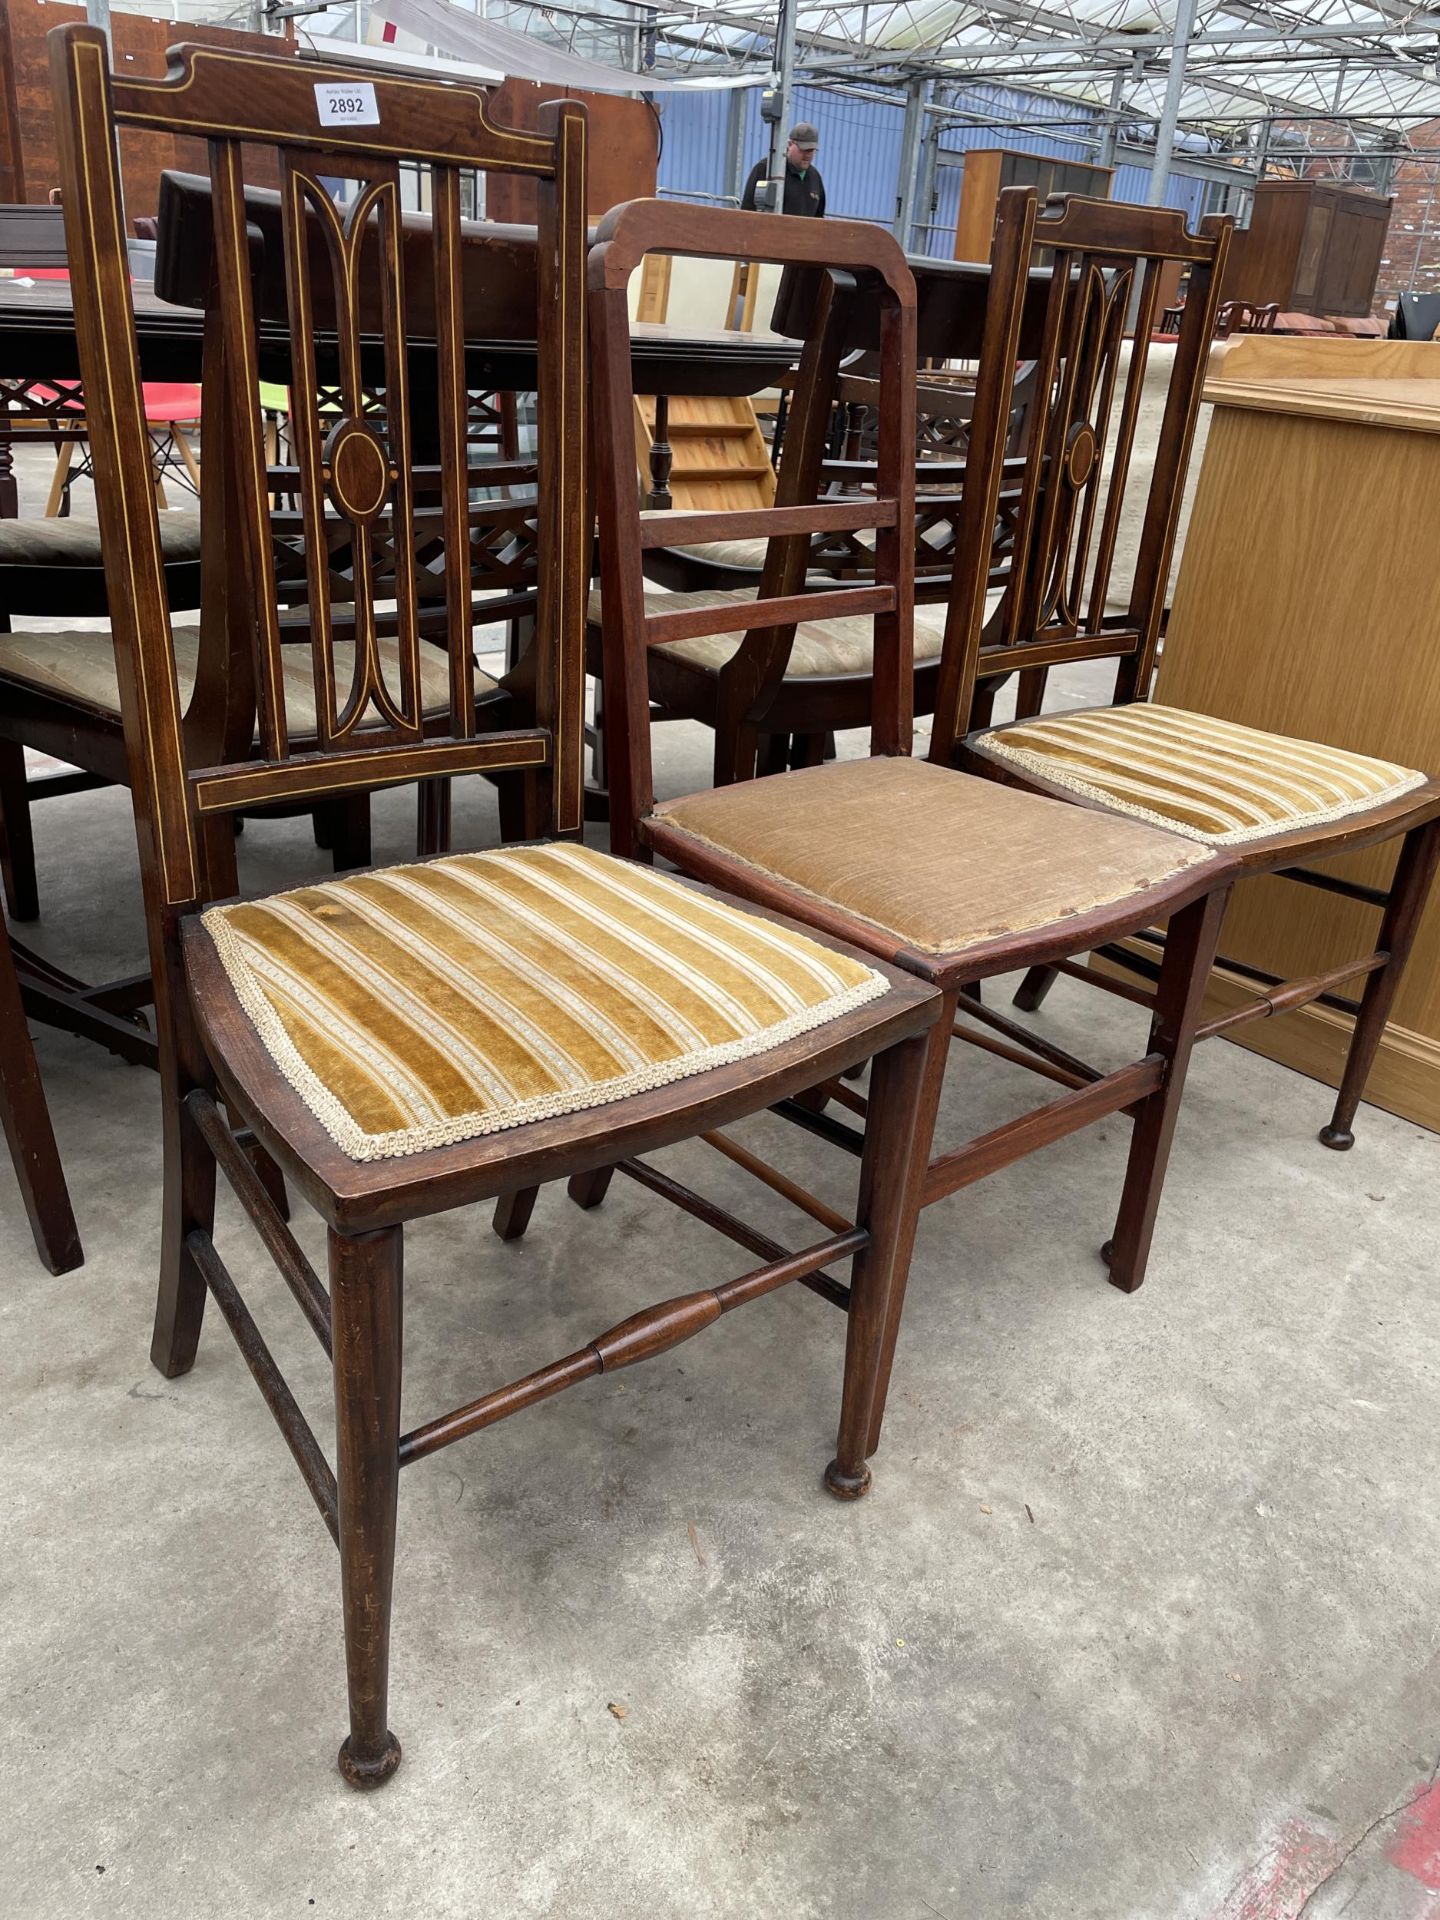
[38, 349]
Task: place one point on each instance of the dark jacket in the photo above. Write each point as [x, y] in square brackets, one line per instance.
[804, 192]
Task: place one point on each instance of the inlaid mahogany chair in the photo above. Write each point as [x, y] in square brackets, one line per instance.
[417, 1038]
[937, 872]
[1273, 803]
[29, 1135]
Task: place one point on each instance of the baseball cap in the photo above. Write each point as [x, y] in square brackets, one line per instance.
[804, 135]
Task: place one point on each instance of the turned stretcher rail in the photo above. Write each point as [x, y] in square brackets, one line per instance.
[644, 1335]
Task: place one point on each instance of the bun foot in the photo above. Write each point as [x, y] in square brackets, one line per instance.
[1340, 1139]
[370, 1773]
[847, 1486]
[1107, 1252]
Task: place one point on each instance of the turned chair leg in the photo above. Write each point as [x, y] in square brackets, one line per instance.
[365, 1295]
[1031, 992]
[25, 1121]
[1179, 995]
[433, 812]
[587, 1190]
[189, 1204]
[17, 844]
[513, 1211]
[1414, 873]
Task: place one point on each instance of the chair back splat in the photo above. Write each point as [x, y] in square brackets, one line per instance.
[1062, 602]
[346, 308]
[843, 255]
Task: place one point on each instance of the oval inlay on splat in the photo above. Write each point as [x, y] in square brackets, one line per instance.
[357, 470]
[1080, 453]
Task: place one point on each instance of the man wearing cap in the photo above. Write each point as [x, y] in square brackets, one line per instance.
[804, 189]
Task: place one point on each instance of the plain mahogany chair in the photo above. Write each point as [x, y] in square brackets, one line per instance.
[937, 872]
[1272, 803]
[29, 1135]
[416, 1038]
[772, 705]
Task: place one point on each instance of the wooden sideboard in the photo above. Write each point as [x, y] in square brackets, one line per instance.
[1311, 247]
[1308, 602]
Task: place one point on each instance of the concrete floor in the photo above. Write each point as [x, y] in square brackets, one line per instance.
[1140, 1620]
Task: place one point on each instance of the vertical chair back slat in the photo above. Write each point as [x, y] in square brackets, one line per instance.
[353, 345]
[245, 438]
[1060, 591]
[454, 453]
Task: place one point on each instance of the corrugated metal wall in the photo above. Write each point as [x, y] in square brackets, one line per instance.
[860, 142]
[859, 147]
[693, 134]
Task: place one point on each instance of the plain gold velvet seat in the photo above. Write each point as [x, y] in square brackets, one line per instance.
[413, 1007]
[935, 860]
[1212, 779]
[79, 664]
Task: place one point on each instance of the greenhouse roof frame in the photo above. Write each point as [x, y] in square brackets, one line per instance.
[1373, 62]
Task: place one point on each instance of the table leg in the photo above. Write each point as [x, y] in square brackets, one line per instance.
[9, 492]
[661, 457]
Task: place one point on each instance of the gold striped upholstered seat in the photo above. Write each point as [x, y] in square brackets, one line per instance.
[421, 1005]
[1211, 779]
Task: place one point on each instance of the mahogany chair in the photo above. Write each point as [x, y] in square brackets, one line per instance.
[28, 1132]
[937, 872]
[422, 1037]
[1273, 803]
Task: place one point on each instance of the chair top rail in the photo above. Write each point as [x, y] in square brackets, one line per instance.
[213, 93]
[637, 227]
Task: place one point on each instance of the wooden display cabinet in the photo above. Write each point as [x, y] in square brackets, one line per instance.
[1311, 247]
[988, 169]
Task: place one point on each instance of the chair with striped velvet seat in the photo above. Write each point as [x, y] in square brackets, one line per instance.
[411, 1039]
[1277, 803]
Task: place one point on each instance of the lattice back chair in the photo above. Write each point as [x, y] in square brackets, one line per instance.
[414, 1039]
[1274, 803]
[1078, 492]
[741, 688]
